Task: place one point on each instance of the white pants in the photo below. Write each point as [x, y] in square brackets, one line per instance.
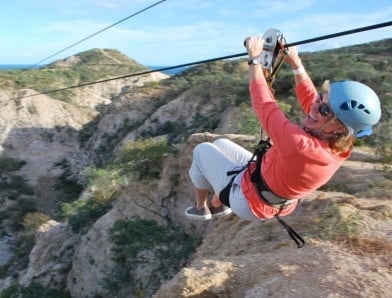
[210, 164]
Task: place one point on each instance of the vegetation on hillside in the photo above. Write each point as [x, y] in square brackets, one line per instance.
[164, 249]
[140, 160]
[223, 84]
[86, 67]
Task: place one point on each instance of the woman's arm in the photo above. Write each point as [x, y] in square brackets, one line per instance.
[254, 46]
[294, 60]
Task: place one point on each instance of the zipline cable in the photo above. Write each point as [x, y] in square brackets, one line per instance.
[96, 33]
[134, 75]
[357, 30]
[352, 31]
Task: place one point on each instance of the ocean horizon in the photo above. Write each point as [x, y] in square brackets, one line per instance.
[17, 66]
[29, 66]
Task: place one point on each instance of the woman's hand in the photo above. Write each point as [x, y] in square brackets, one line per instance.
[254, 46]
[293, 58]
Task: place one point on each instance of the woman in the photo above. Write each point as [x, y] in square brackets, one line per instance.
[301, 159]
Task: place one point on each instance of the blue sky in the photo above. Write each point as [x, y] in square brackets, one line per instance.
[178, 31]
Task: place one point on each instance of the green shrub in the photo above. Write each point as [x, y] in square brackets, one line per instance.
[33, 220]
[9, 164]
[248, 124]
[14, 186]
[105, 182]
[333, 225]
[68, 187]
[34, 290]
[82, 214]
[10, 292]
[139, 243]
[143, 156]
[16, 212]
[4, 271]
[21, 249]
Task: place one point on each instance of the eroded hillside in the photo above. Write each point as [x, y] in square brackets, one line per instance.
[79, 166]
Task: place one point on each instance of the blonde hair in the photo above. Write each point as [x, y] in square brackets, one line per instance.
[325, 86]
[341, 143]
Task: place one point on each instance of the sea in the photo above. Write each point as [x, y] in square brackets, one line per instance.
[15, 66]
[28, 66]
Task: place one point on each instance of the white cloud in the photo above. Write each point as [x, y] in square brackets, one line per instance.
[179, 31]
[120, 4]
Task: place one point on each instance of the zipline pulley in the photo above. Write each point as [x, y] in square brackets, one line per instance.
[273, 54]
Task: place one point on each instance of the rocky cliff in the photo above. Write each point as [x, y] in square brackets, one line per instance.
[347, 251]
[346, 224]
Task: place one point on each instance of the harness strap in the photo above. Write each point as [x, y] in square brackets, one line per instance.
[265, 193]
[292, 233]
[262, 187]
[225, 193]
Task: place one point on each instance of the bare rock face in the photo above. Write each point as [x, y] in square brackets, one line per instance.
[152, 199]
[92, 259]
[258, 259]
[237, 258]
[42, 131]
[348, 250]
[51, 257]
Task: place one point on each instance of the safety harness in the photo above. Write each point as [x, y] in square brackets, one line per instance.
[267, 195]
[264, 192]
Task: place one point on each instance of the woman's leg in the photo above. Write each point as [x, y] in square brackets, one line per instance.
[240, 156]
[211, 162]
[239, 205]
[234, 152]
[209, 169]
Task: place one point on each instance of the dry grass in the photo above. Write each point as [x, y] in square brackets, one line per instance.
[362, 245]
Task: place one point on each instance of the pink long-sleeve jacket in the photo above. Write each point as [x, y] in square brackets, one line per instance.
[298, 163]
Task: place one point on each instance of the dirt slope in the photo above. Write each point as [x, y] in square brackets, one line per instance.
[348, 251]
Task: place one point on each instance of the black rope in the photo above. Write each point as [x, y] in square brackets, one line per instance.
[134, 75]
[96, 33]
[352, 31]
[356, 30]
[293, 234]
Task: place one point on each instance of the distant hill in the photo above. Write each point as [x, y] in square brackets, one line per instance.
[14, 66]
[108, 164]
[169, 71]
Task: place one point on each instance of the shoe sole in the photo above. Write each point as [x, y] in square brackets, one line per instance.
[222, 214]
[198, 217]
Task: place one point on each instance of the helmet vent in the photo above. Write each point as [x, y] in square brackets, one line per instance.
[352, 104]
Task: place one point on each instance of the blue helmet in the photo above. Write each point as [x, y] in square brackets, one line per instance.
[356, 105]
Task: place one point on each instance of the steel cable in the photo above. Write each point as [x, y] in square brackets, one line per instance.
[352, 31]
[96, 33]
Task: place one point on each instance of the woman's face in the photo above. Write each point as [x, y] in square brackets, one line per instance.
[321, 117]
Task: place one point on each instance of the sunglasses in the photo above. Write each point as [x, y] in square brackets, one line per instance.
[324, 109]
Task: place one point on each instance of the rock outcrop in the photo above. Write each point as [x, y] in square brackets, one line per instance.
[52, 256]
[239, 258]
[347, 224]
